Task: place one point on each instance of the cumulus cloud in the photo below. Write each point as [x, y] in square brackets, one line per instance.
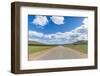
[34, 33]
[79, 33]
[40, 20]
[57, 19]
[85, 21]
[82, 31]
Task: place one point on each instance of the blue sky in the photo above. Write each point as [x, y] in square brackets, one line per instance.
[69, 24]
[56, 29]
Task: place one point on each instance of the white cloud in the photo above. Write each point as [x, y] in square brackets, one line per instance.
[57, 19]
[82, 31]
[33, 39]
[85, 21]
[34, 33]
[40, 20]
[79, 33]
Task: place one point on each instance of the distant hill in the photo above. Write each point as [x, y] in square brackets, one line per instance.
[34, 42]
[81, 42]
[39, 43]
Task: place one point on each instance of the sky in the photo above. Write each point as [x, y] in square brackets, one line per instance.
[57, 29]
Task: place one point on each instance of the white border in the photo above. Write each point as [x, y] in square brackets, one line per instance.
[25, 64]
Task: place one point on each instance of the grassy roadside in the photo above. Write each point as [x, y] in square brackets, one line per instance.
[80, 47]
[34, 49]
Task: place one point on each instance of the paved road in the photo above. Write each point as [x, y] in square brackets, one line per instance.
[60, 52]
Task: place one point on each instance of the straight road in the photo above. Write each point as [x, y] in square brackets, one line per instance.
[60, 52]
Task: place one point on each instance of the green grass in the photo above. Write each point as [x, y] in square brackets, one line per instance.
[34, 49]
[79, 47]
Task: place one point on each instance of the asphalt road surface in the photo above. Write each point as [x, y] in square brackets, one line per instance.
[59, 52]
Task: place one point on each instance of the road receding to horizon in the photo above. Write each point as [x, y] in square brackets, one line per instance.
[58, 52]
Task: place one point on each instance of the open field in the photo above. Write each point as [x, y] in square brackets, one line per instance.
[34, 48]
[39, 51]
[79, 47]
[57, 52]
